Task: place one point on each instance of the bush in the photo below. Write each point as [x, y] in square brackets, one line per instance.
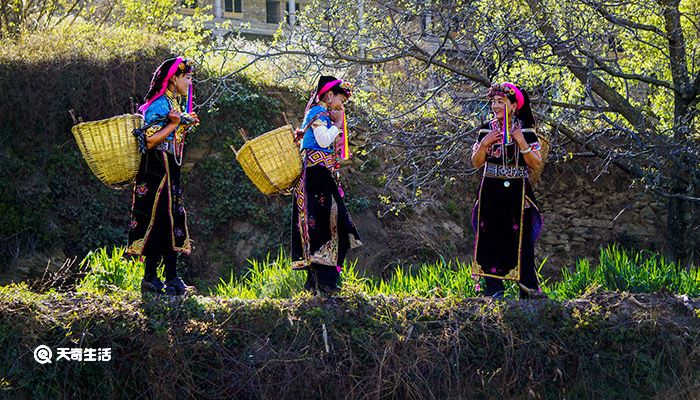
[355, 346]
[50, 199]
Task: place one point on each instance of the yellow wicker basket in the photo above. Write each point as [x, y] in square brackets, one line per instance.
[110, 148]
[272, 161]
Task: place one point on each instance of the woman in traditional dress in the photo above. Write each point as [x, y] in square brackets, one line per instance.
[322, 230]
[158, 227]
[505, 218]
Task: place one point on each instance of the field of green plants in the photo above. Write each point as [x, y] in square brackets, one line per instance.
[616, 269]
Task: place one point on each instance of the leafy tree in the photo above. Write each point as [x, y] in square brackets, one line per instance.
[619, 79]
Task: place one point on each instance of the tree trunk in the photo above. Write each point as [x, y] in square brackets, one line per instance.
[680, 239]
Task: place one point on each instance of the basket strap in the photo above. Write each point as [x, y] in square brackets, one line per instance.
[317, 116]
[301, 131]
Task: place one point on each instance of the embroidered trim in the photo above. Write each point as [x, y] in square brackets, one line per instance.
[318, 157]
[152, 130]
[328, 253]
[499, 171]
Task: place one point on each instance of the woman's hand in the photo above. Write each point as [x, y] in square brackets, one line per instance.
[174, 117]
[533, 159]
[519, 138]
[158, 137]
[337, 117]
[189, 119]
[479, 154]
[491, 138]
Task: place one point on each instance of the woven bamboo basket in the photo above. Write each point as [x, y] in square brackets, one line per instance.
[535, 174]
[110, 148]
[272, 161]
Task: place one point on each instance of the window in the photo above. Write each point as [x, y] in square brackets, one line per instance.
[235, 6]
[273, 12]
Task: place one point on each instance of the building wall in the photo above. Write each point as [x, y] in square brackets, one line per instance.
[255, 11]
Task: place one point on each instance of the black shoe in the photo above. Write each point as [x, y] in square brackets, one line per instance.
[498, 295]
[153, 285]
[177, 287]
[309, 288]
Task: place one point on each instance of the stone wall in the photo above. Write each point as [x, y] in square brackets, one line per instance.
[583, 213]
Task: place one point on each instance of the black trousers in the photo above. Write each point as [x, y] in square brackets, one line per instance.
[169, 263]
[160, 246]
[318, 275]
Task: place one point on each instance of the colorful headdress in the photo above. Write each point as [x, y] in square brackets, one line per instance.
[327, 83]
[507, 89]
[159, 82]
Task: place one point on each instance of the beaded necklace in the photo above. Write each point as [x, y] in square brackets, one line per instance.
[506, 129]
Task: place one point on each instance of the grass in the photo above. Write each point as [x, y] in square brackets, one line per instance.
[617, 269]
[623, 270]
[110, 270]
[271, 278]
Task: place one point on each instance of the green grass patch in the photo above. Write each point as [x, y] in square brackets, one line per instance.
[272, 277]
[623, 270]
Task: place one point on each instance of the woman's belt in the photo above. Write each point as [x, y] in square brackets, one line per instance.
[508, 171]
[318, 157]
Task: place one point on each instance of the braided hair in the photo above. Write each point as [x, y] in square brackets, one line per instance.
[524, 113]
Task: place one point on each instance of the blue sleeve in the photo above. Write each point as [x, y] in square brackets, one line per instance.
[158, 109]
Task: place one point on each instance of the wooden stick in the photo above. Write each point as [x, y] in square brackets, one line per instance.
[72, 115]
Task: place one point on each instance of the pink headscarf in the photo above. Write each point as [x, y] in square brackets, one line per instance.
[327, 87]
[519, 98]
